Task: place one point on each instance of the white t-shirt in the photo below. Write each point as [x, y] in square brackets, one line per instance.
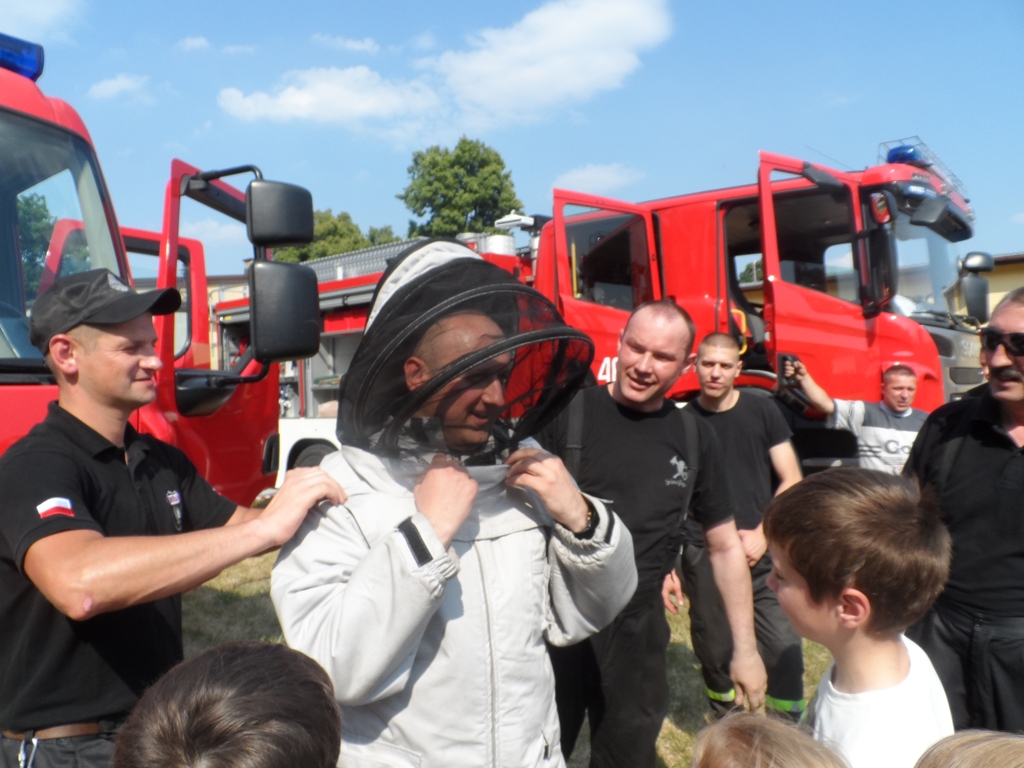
[890, 728]
[884, 437]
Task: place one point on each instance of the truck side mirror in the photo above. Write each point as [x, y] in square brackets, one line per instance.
[975, 287]
[284, 323]
[883, 266]
[278, 214]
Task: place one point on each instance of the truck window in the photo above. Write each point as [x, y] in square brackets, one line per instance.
[53, 220]
[608, 256]
[814, 229]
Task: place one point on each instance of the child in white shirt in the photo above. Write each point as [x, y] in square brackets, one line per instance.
[858, 557]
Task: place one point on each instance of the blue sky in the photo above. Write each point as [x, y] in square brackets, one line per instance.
[634, 100]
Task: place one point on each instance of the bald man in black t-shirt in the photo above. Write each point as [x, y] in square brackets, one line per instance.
[756, 442]
[653, 461]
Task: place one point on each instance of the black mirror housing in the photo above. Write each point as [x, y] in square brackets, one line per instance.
[284, 320]
[278, 214]
[978, 261]
[821, 178]
[975, 292]
[939, 216]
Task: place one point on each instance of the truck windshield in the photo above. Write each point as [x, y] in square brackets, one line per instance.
[53, 222]
[927, 269]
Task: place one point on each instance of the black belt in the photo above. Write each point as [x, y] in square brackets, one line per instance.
[1001, 626]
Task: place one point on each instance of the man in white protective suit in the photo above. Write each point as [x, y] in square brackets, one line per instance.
[462, 546]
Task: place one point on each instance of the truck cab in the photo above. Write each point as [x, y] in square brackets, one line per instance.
[56, 218]
[850, 272]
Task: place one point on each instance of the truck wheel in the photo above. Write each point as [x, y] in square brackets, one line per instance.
[312, 455]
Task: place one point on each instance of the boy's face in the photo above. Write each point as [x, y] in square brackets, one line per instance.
[815, 621]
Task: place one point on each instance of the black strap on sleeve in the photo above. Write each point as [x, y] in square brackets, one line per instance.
[574, 436]
[412, 537]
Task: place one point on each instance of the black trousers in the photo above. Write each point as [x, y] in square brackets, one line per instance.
[72, 752]
[617, 679]
[980, 663]
[780, 647]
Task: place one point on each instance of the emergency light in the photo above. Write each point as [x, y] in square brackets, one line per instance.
[908, 154]
[21, 57]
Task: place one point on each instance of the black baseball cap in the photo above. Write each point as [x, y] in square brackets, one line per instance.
[96, 297]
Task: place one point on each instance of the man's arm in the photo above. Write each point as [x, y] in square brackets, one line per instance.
[84, 573]
[819, 397]
[732, 577]
[787, 467]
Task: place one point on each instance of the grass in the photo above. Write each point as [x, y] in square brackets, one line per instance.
[236, 606]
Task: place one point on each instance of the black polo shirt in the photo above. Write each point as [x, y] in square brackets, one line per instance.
[982, 500]
[64, 476]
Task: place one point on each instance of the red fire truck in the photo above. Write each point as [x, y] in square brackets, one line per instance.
[56, 218]
[850, 272]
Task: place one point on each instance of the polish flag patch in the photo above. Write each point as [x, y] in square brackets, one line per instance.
[55, 506]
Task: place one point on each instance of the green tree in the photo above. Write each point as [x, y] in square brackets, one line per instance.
[381, 235]
[35, 227]
[333, 235]
[461, 190]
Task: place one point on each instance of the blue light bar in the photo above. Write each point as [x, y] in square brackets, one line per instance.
[21, 57]
[908, 154]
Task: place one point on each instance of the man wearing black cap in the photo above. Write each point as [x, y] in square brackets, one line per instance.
[91, 570]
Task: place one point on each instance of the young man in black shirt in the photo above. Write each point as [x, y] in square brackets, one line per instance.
[971, 453]
[102, 529]
[755, 439]
[654, 462]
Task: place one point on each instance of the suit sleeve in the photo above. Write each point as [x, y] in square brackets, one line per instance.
[591, 579]
[360, 610]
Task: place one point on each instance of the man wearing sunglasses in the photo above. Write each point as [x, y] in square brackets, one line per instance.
[971, 452]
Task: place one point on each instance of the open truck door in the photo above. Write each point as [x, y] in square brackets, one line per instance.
[225, 413]
[606, 263]
[819, 301]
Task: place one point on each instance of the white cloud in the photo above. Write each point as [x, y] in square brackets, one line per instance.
[424, 42]
[331, 95]
[215, 231]
[366, 45]
[121, 84]
[565, 51]
[40, 20]
[193, 43]
[598, 178]
[1018, 218]
[557, 56]
[231, 49]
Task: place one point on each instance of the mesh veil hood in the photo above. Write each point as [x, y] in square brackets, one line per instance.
[539, 360]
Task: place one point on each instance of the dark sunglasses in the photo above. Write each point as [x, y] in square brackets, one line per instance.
[1014, 342]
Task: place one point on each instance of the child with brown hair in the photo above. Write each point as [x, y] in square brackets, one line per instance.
[859, 556]
[747, 740]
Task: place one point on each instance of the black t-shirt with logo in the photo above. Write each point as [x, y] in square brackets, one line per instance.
[747, 431]
[65, 476]
[639, 461]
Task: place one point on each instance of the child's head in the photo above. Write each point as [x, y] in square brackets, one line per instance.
[859, 547]
[746, 740]
[975, 749]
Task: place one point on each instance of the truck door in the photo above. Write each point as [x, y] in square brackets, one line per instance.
[605, 264]
[814, 265]
[224, 429]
